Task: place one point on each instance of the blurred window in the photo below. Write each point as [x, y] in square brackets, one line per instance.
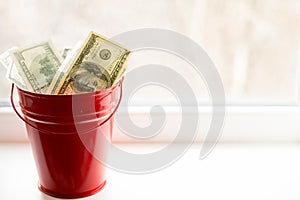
[253, 43]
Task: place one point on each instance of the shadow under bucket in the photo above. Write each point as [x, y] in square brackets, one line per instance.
[63, 130]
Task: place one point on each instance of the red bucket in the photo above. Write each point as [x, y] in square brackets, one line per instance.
[56, 126]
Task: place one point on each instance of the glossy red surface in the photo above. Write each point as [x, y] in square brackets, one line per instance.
[65, 166]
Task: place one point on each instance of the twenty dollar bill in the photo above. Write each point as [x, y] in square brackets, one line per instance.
[98, 65]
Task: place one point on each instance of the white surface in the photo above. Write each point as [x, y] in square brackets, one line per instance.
[244, 171]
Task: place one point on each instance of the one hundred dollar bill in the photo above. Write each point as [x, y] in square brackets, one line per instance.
[12, 72]
[97, 65]
[37, 65]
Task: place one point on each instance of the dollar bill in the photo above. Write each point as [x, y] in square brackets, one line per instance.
[97, 65]
[64, 67]
[12, 72]
[37, 65]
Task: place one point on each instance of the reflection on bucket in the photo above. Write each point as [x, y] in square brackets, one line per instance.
[56, 126]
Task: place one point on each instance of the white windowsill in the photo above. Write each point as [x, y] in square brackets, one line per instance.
[239, 171]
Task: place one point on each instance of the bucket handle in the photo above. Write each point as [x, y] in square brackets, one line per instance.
[50, 132]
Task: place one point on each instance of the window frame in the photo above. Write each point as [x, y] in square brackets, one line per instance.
[242, 124]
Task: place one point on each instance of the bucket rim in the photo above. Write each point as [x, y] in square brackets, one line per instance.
[103, 91]
[109, 90]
